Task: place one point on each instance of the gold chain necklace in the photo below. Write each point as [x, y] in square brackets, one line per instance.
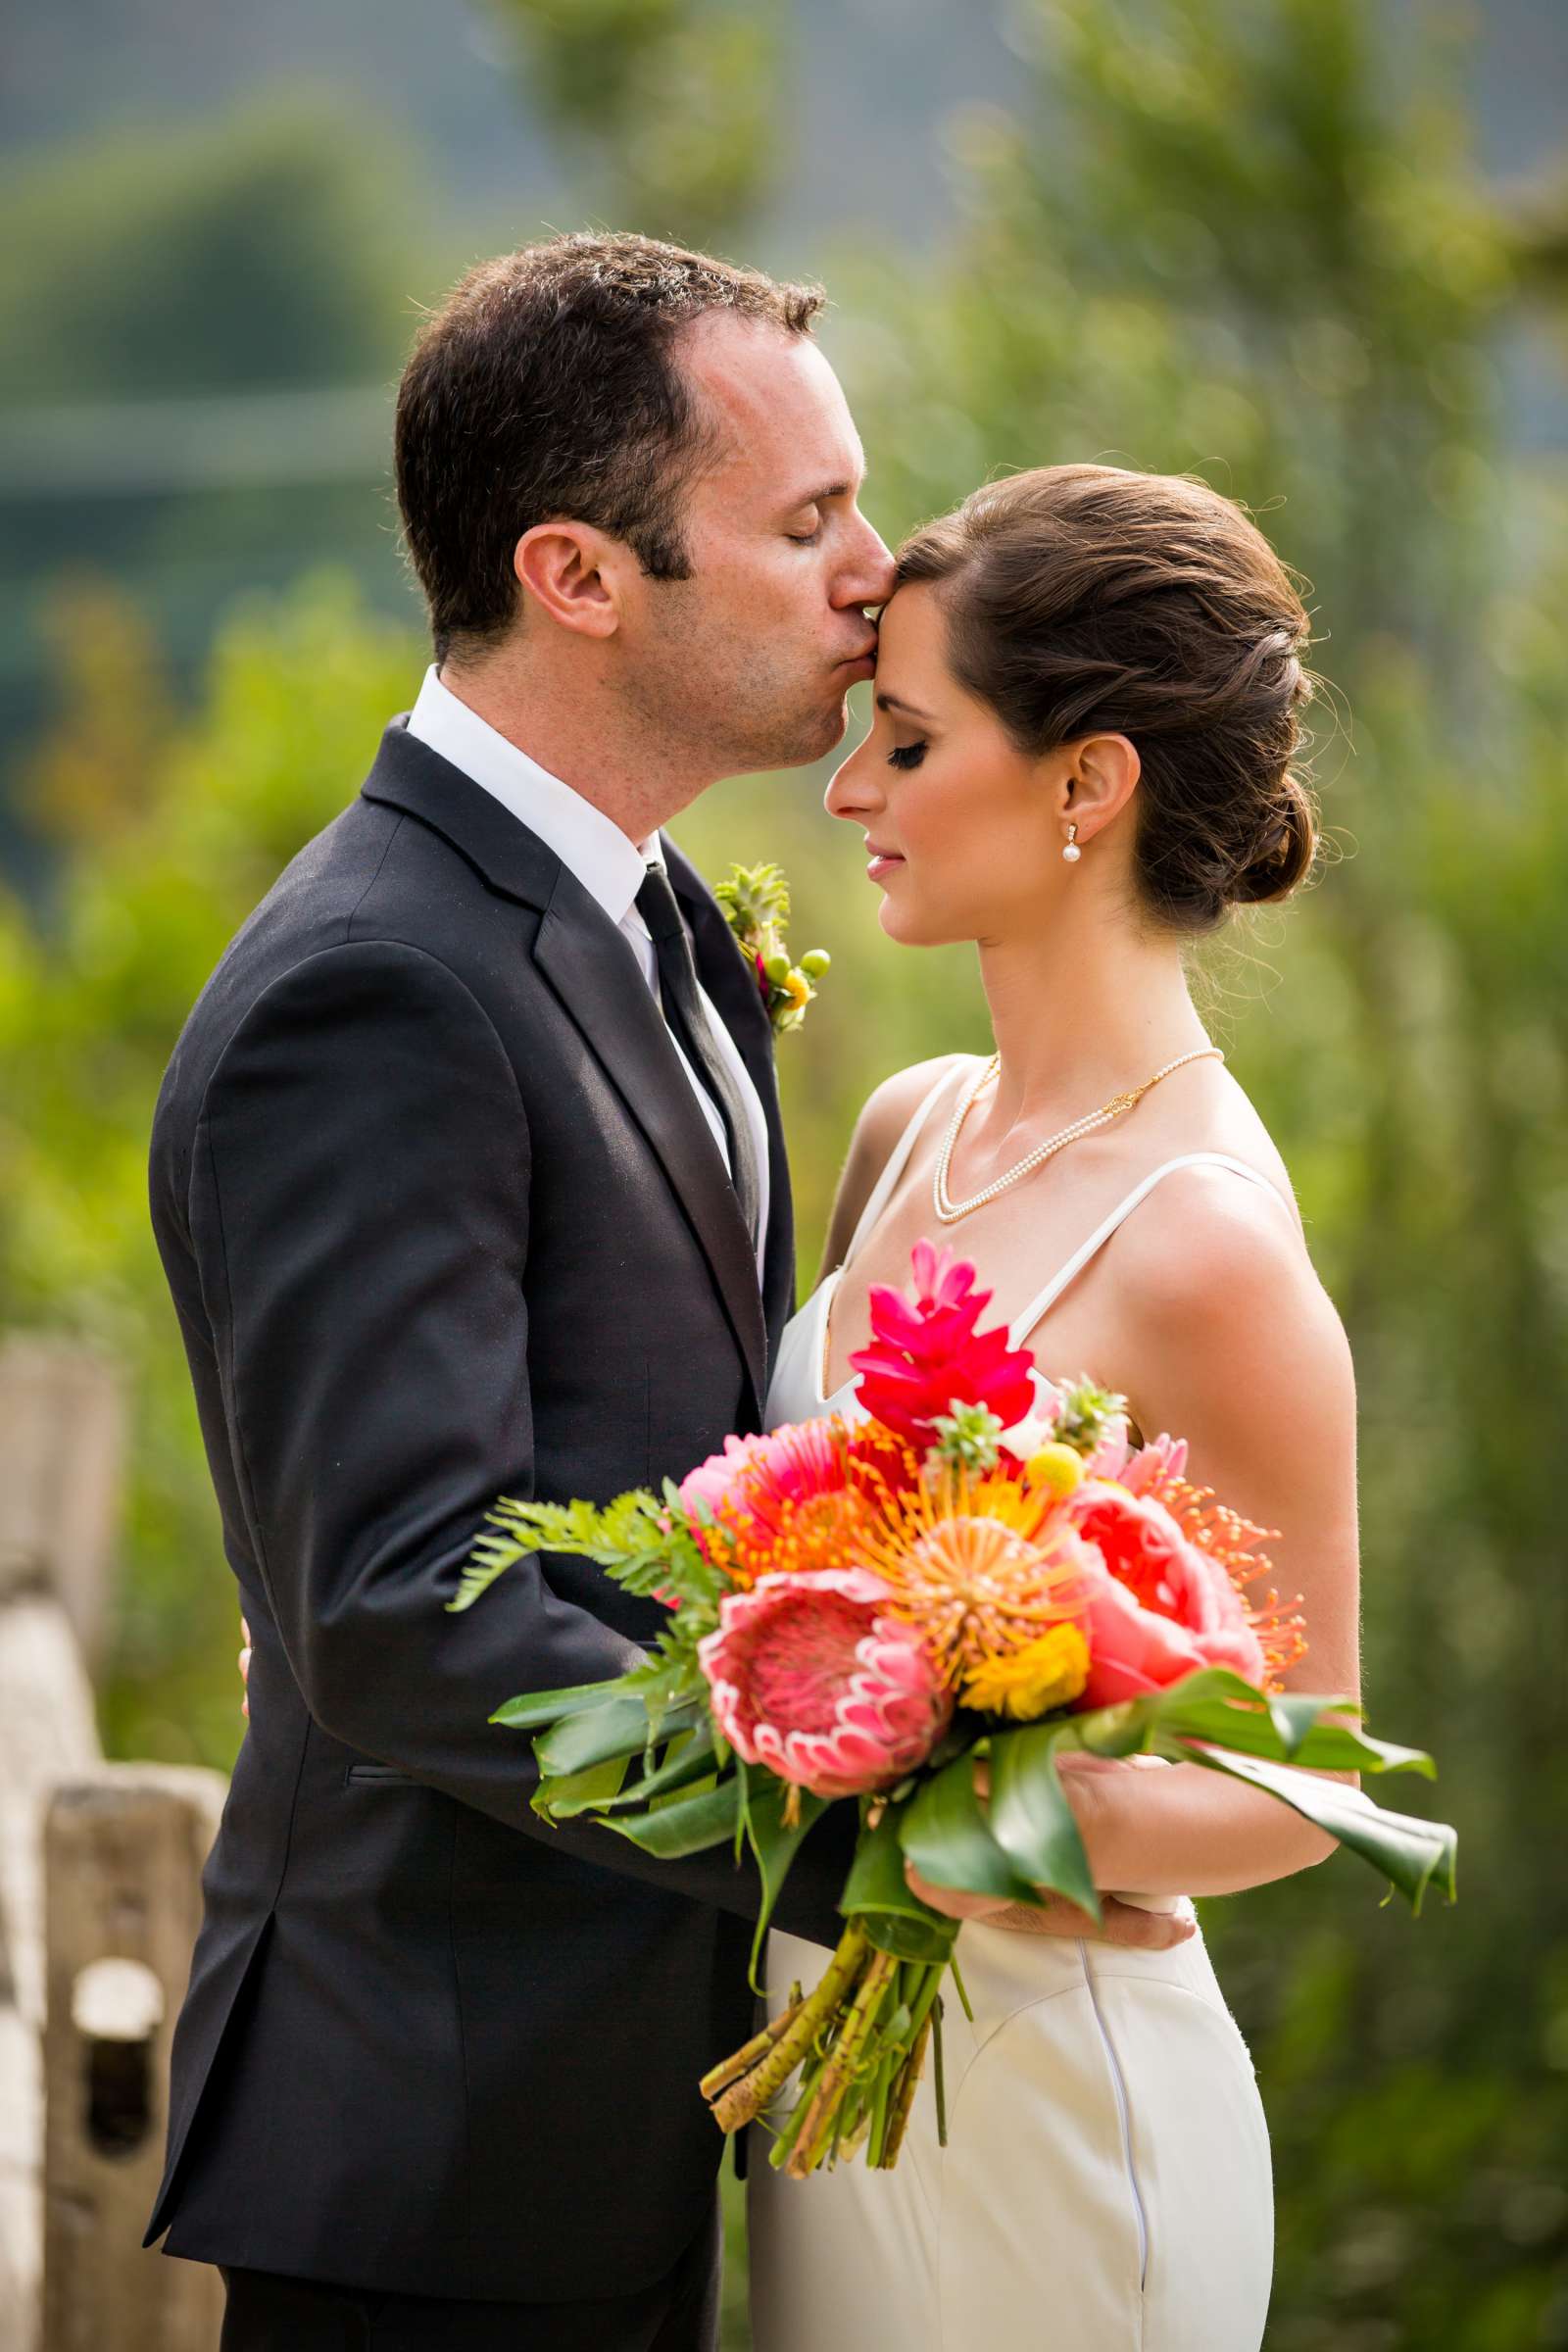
[950, 1211]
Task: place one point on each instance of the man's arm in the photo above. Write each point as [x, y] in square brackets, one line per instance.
[359, 1210]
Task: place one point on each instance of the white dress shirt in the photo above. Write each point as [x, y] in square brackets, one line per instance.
[608, 864]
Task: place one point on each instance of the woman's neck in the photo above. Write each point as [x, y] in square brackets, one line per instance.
[1095, 1008]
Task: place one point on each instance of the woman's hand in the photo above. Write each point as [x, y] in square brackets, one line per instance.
[1121, 1923]
[245, 1670]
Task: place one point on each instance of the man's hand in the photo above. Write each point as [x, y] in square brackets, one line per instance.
[1119, 1922]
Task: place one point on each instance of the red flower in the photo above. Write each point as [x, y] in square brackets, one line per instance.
[926, 1356]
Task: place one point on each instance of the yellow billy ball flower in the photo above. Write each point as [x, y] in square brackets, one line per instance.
[798, 988]
[1028, 1683]
[1056, 1468]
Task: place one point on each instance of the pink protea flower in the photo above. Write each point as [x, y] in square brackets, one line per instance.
[1162, 1607]
[813, 1679]
[925, 1354]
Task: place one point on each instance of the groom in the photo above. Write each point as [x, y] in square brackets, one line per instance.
[469, 1179]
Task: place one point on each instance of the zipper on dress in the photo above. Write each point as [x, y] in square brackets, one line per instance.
[1123, 2114]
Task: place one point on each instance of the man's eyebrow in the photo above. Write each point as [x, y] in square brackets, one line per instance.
[816, 498]
[890, 702]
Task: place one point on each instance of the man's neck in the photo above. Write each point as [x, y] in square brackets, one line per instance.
[583, 738]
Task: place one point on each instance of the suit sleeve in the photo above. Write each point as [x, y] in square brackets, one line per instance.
[359, 1211]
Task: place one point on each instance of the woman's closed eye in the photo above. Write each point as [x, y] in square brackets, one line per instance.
[906, 754]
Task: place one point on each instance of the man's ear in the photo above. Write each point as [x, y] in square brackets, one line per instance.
[1099, 782]
[573, 573]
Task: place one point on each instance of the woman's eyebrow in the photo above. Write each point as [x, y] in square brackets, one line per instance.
[892, 702]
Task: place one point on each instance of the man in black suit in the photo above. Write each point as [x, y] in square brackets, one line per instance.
[467, 1178]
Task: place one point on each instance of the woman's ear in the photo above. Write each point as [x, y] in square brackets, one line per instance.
[1099, 782]
[572, 573]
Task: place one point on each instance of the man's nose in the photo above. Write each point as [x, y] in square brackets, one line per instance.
[874, 575]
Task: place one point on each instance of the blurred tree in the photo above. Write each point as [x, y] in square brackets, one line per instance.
[674, 102]
[261, 250]
[193, 327]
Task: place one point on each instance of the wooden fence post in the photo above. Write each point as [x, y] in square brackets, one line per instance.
[62, 1442]
[123, 1853]
[61, 1432]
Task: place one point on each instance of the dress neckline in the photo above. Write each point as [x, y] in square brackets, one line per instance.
[1024, 1323]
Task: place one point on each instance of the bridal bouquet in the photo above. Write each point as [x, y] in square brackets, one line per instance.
[921, 1613]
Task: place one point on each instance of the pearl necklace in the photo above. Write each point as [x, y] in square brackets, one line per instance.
[950, 1211]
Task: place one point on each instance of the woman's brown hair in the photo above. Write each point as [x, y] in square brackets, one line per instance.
[1083, 599]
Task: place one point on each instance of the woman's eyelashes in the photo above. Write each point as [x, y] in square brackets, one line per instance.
[906, 754]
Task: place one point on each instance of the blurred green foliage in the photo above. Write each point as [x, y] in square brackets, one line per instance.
[674, 103]
[260, 251]
[1238, 236]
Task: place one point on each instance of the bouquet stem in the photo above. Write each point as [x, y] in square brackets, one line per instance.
[826, 2099]
[740, 2099]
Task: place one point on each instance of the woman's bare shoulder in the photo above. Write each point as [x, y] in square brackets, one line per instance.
[1216, 1268]
[890, 1107]
[884, 1116]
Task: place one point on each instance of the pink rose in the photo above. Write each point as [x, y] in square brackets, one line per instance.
[1159, 1608]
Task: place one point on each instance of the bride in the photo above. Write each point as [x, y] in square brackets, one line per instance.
[1086, 712]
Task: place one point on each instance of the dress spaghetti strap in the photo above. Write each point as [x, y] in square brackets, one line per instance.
[1032, 1313]
[882, 1190]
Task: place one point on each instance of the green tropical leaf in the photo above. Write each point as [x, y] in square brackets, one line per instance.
[581, 1791]
[687, 1759]
[536, 1710]
[1031, 1819]
[876, 1880]
[1413, 1853]
[775, 1842]
[619, 1728]
[945, 1834]
[687, 1825]
[878, 1894]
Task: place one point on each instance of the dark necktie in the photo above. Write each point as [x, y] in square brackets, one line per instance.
[689, 1022]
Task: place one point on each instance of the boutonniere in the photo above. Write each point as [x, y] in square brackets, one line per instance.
[755, 899]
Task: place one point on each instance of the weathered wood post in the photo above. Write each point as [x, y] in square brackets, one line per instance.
[123, 1851]
[62, 1420]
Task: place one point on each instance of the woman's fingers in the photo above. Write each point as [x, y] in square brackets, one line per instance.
[1124, 1924]
[245, 1670]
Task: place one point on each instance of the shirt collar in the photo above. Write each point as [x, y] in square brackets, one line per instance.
[588, 843]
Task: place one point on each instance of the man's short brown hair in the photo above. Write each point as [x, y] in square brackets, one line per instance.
[545, 388]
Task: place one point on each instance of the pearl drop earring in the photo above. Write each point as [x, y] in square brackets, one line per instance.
[1072, 853]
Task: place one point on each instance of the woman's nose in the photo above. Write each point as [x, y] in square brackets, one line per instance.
[853, 793]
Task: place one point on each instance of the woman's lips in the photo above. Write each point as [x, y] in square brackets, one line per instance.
[883, 862]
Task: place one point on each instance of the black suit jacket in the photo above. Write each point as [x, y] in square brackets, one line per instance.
[442, 1220]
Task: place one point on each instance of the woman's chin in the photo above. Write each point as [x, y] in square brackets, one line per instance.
[906, 925]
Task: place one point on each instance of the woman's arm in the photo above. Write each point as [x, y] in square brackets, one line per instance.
[1227, 1337]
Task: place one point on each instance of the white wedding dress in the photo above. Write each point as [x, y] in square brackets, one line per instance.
[1107, 2185]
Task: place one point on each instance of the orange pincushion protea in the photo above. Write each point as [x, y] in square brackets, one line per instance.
[800, 1499]
[981, 1568]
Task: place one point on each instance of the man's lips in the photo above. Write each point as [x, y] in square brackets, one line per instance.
[863, 663]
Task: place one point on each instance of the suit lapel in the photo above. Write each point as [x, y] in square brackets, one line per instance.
[738, 1001]
[590, 968]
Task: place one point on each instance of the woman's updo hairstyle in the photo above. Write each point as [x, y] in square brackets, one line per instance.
[1083, 599]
